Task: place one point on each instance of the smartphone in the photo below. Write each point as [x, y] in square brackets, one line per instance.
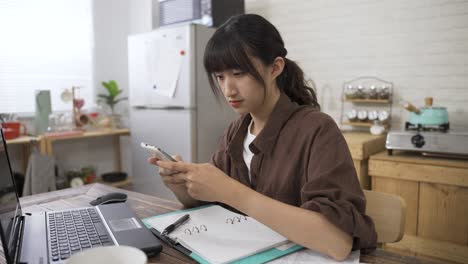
[158, 152]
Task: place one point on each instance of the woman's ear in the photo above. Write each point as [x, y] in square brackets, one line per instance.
[277, 67]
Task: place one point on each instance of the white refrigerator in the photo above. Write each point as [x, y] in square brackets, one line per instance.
[172, 105]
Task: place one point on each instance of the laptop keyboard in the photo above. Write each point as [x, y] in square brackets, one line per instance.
[72, 231]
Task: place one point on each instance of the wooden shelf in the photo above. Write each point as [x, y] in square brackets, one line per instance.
[374, 101]
[90, 134]
[360, 124]
[21, 140]
[114, 133]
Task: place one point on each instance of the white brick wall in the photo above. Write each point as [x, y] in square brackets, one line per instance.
[419, 45]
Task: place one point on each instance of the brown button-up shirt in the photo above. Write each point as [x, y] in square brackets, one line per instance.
[301, 158]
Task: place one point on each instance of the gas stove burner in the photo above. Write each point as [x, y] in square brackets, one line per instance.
[433, 141]
[427, 128]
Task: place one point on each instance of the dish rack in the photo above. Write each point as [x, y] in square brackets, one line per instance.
[364, 101]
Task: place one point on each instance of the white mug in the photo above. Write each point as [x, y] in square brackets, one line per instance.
[109, 254]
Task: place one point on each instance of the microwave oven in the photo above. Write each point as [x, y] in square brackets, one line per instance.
[211, 13]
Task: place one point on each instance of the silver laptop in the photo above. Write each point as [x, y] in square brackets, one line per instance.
[53, 236]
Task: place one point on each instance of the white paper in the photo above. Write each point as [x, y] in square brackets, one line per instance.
[164, 62]
[308, 256]
[222, 241]
[287, 245]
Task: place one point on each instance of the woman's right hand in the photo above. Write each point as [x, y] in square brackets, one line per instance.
[177, 186]
[166, 175]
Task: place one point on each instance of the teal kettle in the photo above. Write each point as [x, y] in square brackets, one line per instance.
[428, 117]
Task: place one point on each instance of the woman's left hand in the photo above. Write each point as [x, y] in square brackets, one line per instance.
[204, 182]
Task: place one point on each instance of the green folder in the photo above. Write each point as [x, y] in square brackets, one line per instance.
[262, 257]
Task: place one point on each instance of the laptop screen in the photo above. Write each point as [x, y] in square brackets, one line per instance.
[10, 209]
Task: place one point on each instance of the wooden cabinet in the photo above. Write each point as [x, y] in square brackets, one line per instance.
[45, 145]
[362, 145]
[436, 194]
[114, 133]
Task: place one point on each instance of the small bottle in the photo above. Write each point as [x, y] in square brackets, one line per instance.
[362, 115]
[350, 92]
[384, 93]
[383, 116]
[352, 115]
[360, 94]
[372, 93]
[373, 115]
[52, 123]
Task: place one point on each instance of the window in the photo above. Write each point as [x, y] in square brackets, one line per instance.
[45, 45]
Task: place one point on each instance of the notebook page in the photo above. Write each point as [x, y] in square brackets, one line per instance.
[223, 240]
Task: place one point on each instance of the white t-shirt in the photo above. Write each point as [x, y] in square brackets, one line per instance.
[248, 155]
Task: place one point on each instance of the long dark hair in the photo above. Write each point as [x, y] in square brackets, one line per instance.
[252, 35]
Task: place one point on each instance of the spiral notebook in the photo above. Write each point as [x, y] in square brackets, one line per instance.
[214, 234]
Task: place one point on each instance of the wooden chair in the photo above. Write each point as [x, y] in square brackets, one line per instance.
[389, 213]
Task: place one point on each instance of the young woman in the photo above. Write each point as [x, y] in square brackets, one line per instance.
[282, 162]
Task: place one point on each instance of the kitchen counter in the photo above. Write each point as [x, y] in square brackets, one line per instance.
[436, 194]
[362, 145]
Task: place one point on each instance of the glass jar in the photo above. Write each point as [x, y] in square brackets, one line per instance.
[350, 92]
[352, 115]
[116, 120]
[361, 93]
[384, 93]
[373, 115]
[372, 93]
[362, 115]
[383, 116]
[52, 123]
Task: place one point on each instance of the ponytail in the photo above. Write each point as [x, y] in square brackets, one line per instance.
[291, 81]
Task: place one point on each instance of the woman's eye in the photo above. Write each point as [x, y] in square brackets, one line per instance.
[219, 77]
[239, 73]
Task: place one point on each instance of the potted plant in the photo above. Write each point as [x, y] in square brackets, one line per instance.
[111, 99]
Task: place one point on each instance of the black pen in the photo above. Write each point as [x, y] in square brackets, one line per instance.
[176, 224]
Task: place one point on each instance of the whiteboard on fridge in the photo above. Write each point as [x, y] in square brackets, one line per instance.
[159, 72]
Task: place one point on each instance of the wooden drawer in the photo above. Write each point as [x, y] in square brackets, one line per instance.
[419, 172]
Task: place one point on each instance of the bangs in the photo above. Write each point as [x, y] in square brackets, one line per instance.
[225, 53]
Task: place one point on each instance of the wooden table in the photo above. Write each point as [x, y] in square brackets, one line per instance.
[145, 206]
